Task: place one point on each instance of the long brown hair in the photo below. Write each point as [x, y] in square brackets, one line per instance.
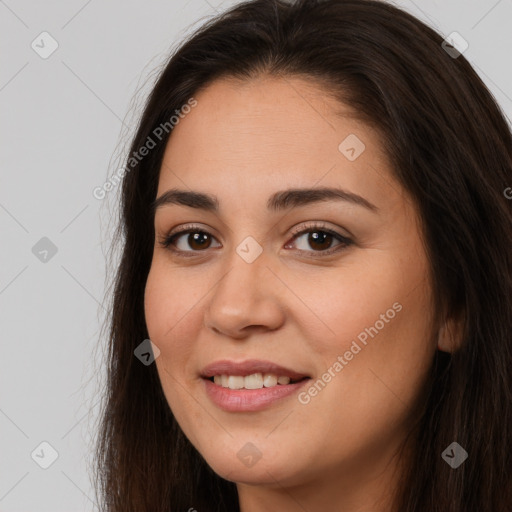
[451, 149]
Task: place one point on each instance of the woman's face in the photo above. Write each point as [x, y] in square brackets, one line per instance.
[354, 317]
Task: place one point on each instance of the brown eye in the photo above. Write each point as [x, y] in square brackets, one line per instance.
[198, 240]
[320, 241]
[195, 240]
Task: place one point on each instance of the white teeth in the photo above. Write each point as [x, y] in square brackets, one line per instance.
[253, 381]
[269, 380]
[235, 382]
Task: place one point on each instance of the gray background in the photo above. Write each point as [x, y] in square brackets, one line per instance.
[65, 121]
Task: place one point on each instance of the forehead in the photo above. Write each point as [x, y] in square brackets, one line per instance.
[273, 132]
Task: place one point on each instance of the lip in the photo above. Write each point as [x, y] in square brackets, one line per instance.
[248, 367]
[249, 400]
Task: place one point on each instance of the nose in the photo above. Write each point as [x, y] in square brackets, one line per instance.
[247, 298]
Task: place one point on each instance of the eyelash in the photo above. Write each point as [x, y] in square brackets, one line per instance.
[168, 241]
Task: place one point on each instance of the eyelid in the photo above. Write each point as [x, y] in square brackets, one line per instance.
[166, 243]
[186, 227]
[301, 229]
[321, 226]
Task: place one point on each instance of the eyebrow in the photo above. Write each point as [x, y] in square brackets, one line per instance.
[282, 200]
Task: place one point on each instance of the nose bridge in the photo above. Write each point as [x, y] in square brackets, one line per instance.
[244, 295]
[246, 278]
[246, 264]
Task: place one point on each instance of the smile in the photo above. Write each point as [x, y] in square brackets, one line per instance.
[251, 385]
[253, 381]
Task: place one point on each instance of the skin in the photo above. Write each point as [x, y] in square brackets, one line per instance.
[242, 143]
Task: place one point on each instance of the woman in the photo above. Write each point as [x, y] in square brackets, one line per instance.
[317, 243]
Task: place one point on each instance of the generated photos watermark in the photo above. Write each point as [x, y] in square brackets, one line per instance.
[305, 397]
[137, 156]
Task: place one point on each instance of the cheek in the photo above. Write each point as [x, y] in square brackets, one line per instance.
[377, 318]
[173, 324]
[158, 307]
[169, 304]
[334, 308]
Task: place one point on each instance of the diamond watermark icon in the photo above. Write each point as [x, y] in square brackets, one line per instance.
[44, 455]
[249, 249]
[454, 455]
[44, 250]
[249, 455]
[351, 147]
[44, 45]
[454, 45]
[147, 352]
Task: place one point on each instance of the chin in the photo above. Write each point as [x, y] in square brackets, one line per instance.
[239, 468]
[249, 476]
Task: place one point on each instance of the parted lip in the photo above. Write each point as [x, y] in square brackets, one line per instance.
[244, 368]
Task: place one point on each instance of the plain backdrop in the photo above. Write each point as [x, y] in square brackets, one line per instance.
[64, 117]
